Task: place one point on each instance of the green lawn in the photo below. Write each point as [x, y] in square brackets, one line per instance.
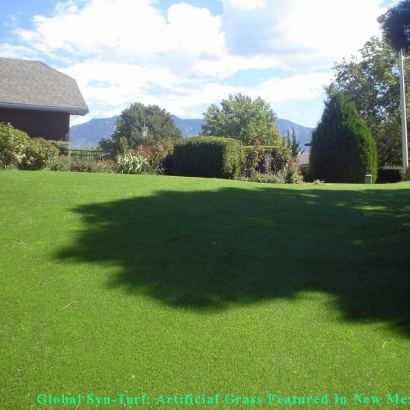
[124, 285]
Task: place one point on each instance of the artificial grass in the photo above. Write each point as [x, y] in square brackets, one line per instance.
[124, 284]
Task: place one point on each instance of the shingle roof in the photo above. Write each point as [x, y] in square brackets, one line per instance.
[34, 85]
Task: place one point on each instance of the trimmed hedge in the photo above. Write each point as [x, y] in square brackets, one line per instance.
[211, 157]
[389, 175]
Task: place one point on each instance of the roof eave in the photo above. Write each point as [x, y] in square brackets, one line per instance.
[68, 110]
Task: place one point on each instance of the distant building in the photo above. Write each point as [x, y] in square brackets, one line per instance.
[303, 160]
[38, 99]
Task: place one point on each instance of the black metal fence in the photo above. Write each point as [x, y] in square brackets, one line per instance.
[89, 155]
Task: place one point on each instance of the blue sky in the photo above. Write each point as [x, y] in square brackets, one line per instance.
[186, 55]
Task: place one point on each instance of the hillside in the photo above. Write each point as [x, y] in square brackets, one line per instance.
[88, 135]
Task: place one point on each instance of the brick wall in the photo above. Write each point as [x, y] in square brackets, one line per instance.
[46, 124]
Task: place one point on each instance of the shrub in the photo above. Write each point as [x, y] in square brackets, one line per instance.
[155, 154]
[17, 149]
[291, 173]
[12, 145]
[166, 165]
[343, 149]
[389, 174]
[60, 163]
[281, 157]
[212, 157]
[100, 167]
[305, 171]
[65, 163]
[131, 163]
[252, 157]
[38, 152]
[62, 146]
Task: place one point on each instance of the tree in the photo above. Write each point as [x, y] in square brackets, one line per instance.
[293, 143]
[396, 26]
[396, 33]
[371, 83]
[242, 119]
[128, 133]
[343, 149]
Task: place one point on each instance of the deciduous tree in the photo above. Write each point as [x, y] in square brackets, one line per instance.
[128, 133]
[244, 119]
[371, 83]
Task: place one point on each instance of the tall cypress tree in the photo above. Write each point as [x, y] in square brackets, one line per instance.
[343, 149]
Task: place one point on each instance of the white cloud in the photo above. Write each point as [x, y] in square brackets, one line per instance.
[122, 51]
[302, 35]
[297, 87]
[244, 4]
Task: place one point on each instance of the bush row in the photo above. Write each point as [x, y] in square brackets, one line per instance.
[65, 163]
[211, 157]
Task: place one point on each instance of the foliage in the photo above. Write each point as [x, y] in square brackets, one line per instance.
[288, 175]
[62, 146]
[293, 143]
[396, 26]
[65, 163]
[37, 153]
[371, 83]
[242, 119]
[166, 165]
[17, 149]
[60, 163]
[155, 153]
[211, 157]
[127, 135]
[253, 155]
[283, 165]
[13, 143]
[263, 178]
[306, 175]
[291, 173]
[343, 149]
[97, 167]
[281, 157]
[389, 174]
[131, 163]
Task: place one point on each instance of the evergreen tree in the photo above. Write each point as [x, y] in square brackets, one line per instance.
[343, 149]
[371, 82]
[287, 140]
[294, 144]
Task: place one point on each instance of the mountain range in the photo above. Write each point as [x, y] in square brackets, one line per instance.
[88, 135]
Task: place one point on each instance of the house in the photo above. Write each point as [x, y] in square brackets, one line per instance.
[303, 160]
[38, 99]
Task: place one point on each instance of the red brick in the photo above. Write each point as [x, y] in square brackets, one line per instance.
[47, 124]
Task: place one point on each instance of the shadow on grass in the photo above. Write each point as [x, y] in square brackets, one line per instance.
[207, 250]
